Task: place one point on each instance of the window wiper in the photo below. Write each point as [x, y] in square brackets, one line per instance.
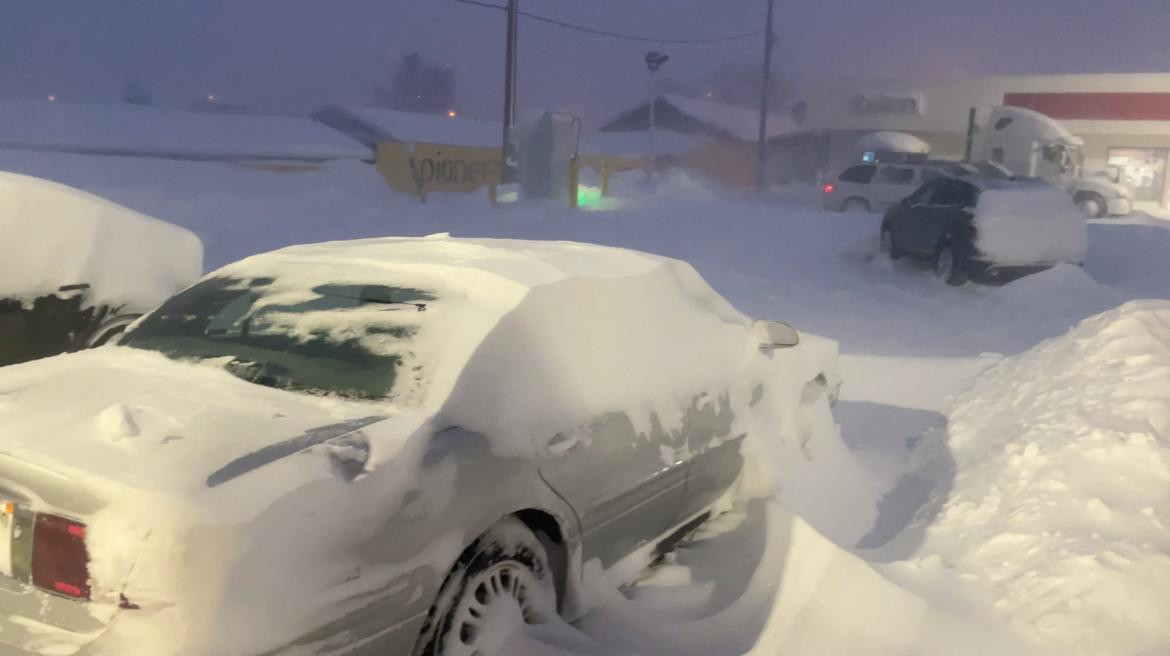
[421, 307]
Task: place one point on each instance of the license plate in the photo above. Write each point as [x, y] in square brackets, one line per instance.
[7, 524]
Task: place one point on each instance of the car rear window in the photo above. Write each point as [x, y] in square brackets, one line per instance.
[862, 173]
[348, 340]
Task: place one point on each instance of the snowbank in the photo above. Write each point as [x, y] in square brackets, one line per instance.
[1060, 509]
[69, 237]
[1029, 225]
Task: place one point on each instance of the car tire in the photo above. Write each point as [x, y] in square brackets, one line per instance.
[946, 267]
[855, 205]
[503, 578]
[886, 244]
[1093, 205]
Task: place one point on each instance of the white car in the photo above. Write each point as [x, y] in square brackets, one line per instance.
[879, 186]
[390, 447]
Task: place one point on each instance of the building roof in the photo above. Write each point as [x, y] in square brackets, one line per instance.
[703, 115]
[119, 129]
[392, 125]
[637, 144]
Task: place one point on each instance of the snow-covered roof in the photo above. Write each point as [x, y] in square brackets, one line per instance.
[1043, 127]
[740, 122]
[898, 142]
[637, 144]
[120, 129]
[70, 237]
[393, 125]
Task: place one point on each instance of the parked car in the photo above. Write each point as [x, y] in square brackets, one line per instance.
[389, 446]
[76, 269]
[985, 230]
[879, 186]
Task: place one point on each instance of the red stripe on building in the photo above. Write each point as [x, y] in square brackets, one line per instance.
[1095, 106]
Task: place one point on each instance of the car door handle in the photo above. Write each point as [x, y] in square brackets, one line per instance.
[562, 443]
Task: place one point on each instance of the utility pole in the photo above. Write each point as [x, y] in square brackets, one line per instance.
[510, 164]
[654, 61]
[762, 152]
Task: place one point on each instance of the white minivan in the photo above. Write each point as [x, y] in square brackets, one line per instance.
[877, 187]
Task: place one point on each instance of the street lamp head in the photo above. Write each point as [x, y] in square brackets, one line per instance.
[655, 60]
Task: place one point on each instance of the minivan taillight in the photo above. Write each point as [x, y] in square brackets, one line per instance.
[60, 560]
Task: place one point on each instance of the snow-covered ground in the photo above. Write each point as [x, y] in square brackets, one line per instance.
[1020, 494]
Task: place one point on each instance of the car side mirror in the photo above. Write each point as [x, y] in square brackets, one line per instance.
[774, 334]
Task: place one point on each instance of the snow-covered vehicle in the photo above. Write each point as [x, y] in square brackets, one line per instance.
[986, 230]
[389, 446]
[1033, 145]
[76, 269]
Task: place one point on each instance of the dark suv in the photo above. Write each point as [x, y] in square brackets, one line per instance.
[938, 224]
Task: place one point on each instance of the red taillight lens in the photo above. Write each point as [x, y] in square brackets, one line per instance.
[828, 189]
[60, 561]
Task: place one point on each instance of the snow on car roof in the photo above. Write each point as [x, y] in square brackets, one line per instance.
[70, 237]
[527, 263]
[594, 326]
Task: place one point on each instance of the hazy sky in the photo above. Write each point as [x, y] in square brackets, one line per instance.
[292, 55]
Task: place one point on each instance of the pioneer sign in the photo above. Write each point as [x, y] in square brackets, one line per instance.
[421, 168]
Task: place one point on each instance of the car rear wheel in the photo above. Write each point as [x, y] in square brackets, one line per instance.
[500, 584]
[946, 266]
[886, 244]
[855, 205]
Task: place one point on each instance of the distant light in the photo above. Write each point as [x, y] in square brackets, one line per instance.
[52, 97]
[451, 114]
[710, 95]
[211, 97]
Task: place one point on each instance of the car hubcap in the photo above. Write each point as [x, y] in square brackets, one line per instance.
[1091, 207]
[498, 601]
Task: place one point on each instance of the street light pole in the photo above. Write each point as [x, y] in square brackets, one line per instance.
[762, 146]
[508, 173]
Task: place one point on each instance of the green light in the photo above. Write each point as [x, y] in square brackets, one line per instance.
[588, 197]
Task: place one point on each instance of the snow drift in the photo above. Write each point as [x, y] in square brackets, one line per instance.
[1060, 507]
[70, 237]
[1029, 225]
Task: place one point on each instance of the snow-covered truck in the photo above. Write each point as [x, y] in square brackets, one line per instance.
[1037, 146]
[76, 269]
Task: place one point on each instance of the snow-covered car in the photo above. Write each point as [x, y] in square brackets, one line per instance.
[390, 446]
[76, 269]
[986, 230]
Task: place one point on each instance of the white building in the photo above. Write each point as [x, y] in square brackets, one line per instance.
[1124, 119]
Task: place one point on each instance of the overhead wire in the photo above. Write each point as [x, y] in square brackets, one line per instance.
[616, 35]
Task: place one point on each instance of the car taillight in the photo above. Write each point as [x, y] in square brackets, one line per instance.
[828, 189]
[60, 560]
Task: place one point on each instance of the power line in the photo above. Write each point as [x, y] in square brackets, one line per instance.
[616, 35]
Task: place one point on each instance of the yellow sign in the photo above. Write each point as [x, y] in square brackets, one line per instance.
[420, 168]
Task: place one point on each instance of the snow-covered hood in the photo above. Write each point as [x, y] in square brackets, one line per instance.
[128, 418]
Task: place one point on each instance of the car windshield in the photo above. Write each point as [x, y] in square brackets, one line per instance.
[349, 340]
